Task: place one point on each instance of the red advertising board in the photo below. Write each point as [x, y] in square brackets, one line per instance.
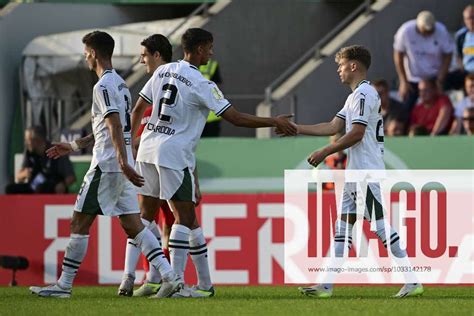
[244, 234]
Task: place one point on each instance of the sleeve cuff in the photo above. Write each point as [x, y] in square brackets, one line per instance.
[359, 122]
[221, 111]
[110, 111]
[147, 99]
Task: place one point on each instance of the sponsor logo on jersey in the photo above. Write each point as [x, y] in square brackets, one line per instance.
[122, 86]
[176, 76]
[160, 129]
[217, 94]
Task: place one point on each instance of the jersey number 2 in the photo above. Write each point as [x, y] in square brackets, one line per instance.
[377, 131]
[173, 91]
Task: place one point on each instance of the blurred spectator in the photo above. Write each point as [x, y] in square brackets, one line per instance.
[465, 103]
[390, 107]
[213, 124]
[396, 126]
[468, 121]
[465, 41]
[418, 130]
[423, 48]
[38, 173]
[435, 110]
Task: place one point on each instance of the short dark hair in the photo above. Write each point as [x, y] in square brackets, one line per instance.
[195, 37]
[418, 130]
[101, 42]
[355, 52]
[159, 43]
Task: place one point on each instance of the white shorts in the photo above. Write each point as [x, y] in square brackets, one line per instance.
[372, 198]
[165, 183]
[106, 193]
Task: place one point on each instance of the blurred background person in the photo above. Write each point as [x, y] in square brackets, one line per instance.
[395, 126]
[418, 130]
[465, 103]
[468, 121]
[38, 173]
[464, 39]
[423, 48]
[390, 106]
[434, 111]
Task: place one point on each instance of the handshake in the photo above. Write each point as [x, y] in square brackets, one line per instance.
[284, 127]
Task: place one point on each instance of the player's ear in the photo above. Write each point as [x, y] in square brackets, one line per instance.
[354, 66]
[156, 55]
[200, 49]
[93, 53]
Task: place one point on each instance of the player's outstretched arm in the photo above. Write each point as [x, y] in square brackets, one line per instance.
[280, 122]
[61, 149]
[115, 128]
[351, 138]
[322, 129]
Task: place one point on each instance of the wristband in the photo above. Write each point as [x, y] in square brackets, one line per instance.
[74, 145]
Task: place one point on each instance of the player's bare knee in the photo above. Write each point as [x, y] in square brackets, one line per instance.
[80, 226]
[131, 224]
[349, 218]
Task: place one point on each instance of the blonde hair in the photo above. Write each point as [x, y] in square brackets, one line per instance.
[355, 52]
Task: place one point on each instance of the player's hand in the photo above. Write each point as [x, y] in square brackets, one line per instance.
[404, 89]
[197, 195]
[280, 133]
[316, 158]
[132, 175]
[284, 127]
[58, 150]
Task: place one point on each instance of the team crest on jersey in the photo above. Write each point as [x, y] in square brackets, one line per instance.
[217, 93]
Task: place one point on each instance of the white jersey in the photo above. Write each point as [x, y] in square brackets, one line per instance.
[363, 107]
[110, 95]
[182, 99]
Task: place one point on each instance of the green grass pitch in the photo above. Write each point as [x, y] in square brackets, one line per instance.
[234, 300]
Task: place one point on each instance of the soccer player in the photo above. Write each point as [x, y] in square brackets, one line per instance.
[107, 188]
[182, 99]
[156, 51]
[362, 119]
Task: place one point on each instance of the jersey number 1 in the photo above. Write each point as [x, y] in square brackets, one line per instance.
[128, 126]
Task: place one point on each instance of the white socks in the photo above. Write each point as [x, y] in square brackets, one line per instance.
[132, 254]
[153, 275]
[343, 237]
[342, 241]
[392, 239]
[198, 252]
[154, 254]
[75, 252]
[178, 246]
